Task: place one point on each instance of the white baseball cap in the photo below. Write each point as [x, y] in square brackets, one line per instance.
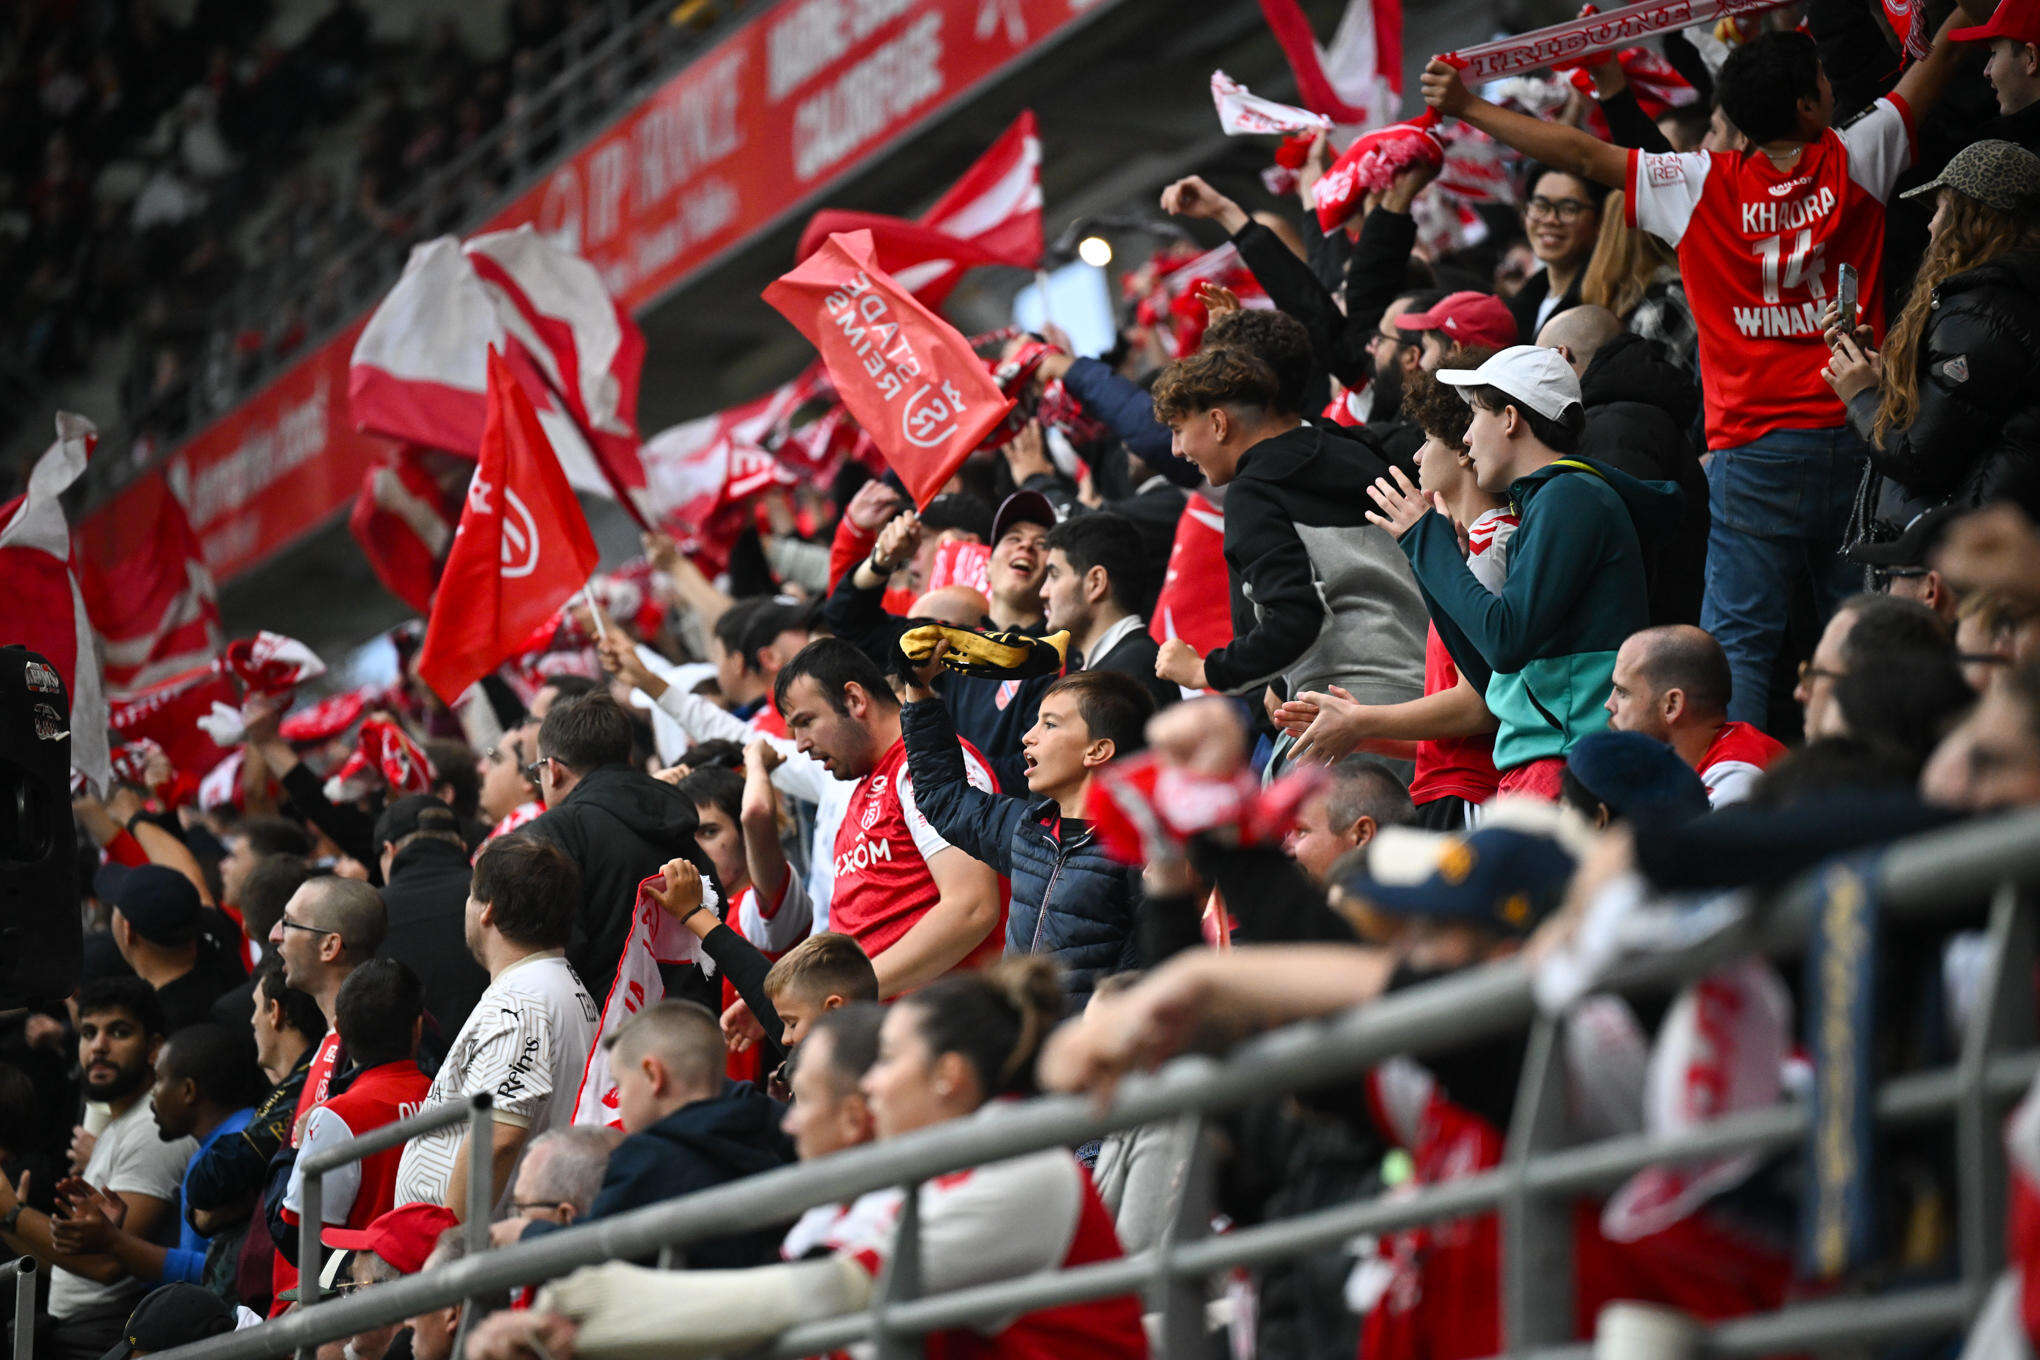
[1539, 378]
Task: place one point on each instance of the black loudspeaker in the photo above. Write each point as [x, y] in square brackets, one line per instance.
[41, 934]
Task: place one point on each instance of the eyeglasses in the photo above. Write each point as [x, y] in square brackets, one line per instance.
[532, 1208]
[534, 773]
[1809, 672]
[1882, 577]
[289, 924]
[1564, 209]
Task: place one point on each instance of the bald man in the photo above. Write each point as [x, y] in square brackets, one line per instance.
[1672, 684]
[957, 606]
[1640, 412]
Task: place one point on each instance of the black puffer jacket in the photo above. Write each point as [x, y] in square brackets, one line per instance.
[1639, 407]
[1976, 434]
[1069, 898]
[620, 826]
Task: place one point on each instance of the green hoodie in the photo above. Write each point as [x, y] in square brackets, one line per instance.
[1575, 590]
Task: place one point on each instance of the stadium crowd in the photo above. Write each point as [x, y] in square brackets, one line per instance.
[1564, 601]
[160, 164]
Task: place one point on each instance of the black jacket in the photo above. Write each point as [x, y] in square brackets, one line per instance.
[992, 714]
[1070, 899]
[1329, 598]
[620, 826]
[697, 1147]
[1134, 655]
[1530, 298]
[426, 902]
[1975, 436]
[238, 1164]
[1639, 407]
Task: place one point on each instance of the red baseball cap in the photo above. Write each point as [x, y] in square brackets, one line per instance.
[2018, 20]
[1469, 318]
[404, 1236]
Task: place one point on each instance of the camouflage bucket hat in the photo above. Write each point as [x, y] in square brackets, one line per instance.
[1997, 174]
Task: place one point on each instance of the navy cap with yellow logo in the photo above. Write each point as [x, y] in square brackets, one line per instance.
[1498, 877]
[169, 1316]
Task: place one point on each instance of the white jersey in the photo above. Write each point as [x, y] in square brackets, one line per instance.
[527, 1043]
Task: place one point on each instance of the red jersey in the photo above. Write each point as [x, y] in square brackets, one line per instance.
[882, 851]
[352, 1195]
[1451, 767]
[1734, 759]
[318, 1079]
[1759, 247]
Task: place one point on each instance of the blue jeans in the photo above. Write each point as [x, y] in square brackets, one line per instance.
[1780, 509]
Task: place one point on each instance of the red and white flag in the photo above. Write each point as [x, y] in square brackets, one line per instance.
[655, 938]
[401, 762]
[42, 607]
[168, 713]
[1357, 81]
[991, 215]
[1195, 603]
[1242, 113]
[522, 548]
[420, 370]
[146, 586]
[270, 663]
[906, 375]
[404, 517]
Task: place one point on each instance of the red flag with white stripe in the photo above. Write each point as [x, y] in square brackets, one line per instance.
[168, 714]
[42, 607]
[522, 548]
[419, 372]
[147, 589]
[1195, 603]
[404, 518]
[655, 938]
[991, 215]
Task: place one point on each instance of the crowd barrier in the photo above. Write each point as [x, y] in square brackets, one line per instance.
[1988, 865]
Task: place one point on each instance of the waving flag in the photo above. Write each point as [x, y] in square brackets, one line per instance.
[911, 381]
[168, 714]
[992, 215]
[1358, 80]
[404, 517]
[146, 587]
[522, 548]
[420, 371]
[655, 938]
[43, 608]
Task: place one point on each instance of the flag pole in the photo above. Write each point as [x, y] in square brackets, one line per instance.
[594, 610]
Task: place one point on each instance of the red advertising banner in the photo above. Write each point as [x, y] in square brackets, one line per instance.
[747, 134]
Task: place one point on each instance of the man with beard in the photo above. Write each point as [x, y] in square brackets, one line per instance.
[205, 1089]
[120, 1030]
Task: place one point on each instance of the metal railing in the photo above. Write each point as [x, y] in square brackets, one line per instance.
[1533, 1189]
[22, 1270]
[477, 1112]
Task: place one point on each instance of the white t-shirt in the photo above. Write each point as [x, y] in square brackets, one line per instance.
[130, 1158]
[527, 1042]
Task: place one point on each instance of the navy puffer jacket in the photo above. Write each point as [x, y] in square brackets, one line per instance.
[1069, 899]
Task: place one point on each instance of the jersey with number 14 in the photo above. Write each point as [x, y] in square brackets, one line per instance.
[1759, 248]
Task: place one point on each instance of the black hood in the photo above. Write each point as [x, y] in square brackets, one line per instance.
[2019, 270]
[1629, 368]
[659, 813]
[738, 1130]
[1338, 466]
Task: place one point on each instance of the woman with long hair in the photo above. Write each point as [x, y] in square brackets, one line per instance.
[1636, 276]
[1951, 406]
[963, 1042]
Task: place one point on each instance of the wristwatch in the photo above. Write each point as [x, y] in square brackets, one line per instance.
[11, 1217]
